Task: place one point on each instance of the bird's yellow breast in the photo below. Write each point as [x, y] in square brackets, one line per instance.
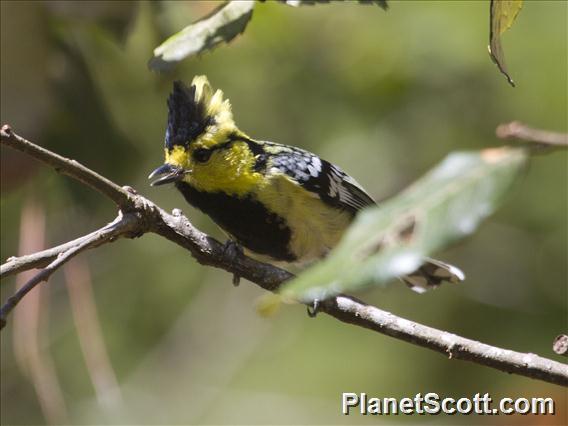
[315, 226]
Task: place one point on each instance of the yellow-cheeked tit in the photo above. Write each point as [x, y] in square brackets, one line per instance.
[282, 204]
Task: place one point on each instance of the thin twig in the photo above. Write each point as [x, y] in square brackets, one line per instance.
[69, 167]
[121, 226]
[524, 133]
[145, 217]
[39, 259]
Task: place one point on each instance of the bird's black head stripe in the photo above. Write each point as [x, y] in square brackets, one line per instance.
[187, 118]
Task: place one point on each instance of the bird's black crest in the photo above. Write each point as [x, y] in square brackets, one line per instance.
[187, 118]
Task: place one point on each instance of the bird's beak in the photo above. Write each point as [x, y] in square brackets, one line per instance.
[168, 173]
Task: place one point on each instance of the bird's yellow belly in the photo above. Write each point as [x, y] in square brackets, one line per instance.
[315, 226]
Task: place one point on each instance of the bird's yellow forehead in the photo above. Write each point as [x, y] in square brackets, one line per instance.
[178, 156]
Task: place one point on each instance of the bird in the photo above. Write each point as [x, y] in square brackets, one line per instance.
[277, 203]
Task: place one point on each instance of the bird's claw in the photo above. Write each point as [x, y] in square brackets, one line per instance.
[314, 308]
[233, 251]
[236, 280]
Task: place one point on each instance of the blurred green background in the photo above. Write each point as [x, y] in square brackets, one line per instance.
[384, 95]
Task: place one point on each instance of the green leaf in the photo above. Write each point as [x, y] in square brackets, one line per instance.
[222, 25]
[392, 239]
[502, 14]
[381, 3]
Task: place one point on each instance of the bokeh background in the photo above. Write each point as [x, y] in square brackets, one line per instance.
[164, 340]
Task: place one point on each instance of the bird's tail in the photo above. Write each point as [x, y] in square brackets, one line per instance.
[431, 274]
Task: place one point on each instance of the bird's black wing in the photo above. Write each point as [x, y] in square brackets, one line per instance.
[329, 182]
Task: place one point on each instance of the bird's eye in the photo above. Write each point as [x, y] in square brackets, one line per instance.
[201, 155]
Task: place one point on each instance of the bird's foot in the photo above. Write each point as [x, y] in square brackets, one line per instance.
[314, 308]
[233, 251]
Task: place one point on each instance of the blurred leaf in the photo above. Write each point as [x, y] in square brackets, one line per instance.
[222, 25]
[126, 91]
[381, 3]
[502, 15]
[392, 239]
[268, 305]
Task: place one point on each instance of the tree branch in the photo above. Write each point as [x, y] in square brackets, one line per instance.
[121, 226]
[524, 133]
[352, 311]
[42, 258]
[68, 167]
[140, 216]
